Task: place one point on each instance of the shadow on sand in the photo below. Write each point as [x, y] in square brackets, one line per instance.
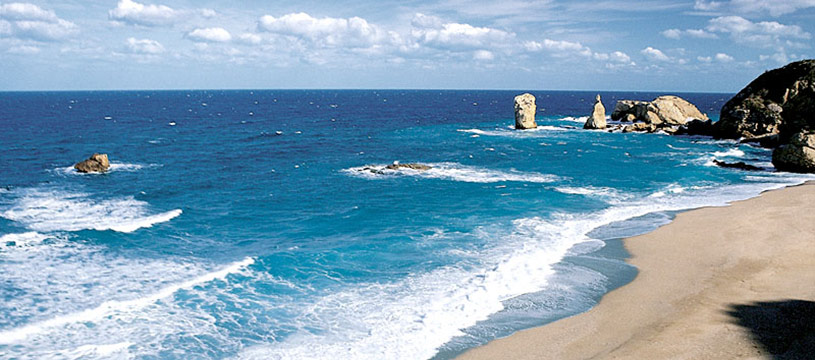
[785, 329]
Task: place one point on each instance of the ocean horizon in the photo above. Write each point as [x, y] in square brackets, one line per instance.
[258, 224]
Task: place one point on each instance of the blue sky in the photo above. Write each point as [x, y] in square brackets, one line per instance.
[701, 45]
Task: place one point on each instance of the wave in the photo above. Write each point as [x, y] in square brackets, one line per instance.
[579, 119]
[729, 153]
[413, 317]
[55, 210]
[113, 307]
[541, 130]
[453, 172]
[603, 192]
[26, 239]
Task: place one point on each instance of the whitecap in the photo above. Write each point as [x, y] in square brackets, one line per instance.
[112, 308]
[55, 210]
[26, 239]
[454, 172]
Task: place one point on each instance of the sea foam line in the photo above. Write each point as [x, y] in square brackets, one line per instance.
[454, 172]
[112, 307]
[43, 210]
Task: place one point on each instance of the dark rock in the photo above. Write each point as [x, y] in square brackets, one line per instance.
[798, 155]
[780, 101]
[696, 127]
[95, 163]
[737, 165]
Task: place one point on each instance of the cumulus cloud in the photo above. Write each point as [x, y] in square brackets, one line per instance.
[655, 54]
[722, 57]
[144, 46]
[760, 34]
[29, 21]
[431, 31]
[773, 7]
[483, 55]
[249, 38]
[215, 34]
[676, 34]
[133, 13]
[351, 32]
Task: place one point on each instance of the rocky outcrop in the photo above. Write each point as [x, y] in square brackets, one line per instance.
[525, 112]
[412, 166]
[667, 110]
[95, 163]
[741, 165]
[780, 101]
[798, 155]
[640, 127]
[597, 119]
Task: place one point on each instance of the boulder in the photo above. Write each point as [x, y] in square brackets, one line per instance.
[95, 163]
[741, 165]
[640, 127]
[525, 112]
[780, 101]
[798, 155]
[665, 110]
[674, 110]
[597, 119]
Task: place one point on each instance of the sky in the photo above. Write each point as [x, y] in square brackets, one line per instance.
[648, 45]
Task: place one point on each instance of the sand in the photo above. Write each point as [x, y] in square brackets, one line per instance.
[735, 282]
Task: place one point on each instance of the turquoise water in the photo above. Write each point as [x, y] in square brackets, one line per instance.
[241, 224]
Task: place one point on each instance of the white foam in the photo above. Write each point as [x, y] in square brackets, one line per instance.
[453, 172]
[580, 119]
[411, 318]
[540, 131]
[603, 192]
[114, 167]
[55, 210]
[729, 153]
[26, 239]
[113, 307]
[97, 350]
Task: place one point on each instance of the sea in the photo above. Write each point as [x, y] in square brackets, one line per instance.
[264, 224]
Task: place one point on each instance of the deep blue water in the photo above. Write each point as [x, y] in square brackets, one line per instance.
[238, 224]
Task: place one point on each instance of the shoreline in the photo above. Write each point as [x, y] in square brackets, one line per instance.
[716, 282]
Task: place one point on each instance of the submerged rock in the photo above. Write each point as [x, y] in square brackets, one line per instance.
[736, 165]
[412, 166]
[798, 155]
[780, 101]
[525, 111]
[96, 163]
[597, 119]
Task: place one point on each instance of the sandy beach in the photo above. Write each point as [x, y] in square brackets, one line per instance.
[716, 283]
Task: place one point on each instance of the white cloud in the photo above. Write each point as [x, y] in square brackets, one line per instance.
[722, 57]
[29, 21]
[483, 55]
[144, 46]
[759, 7]
[676, 34]
[559, 48]
[249, 38]
[655, 54]
[433, 32]
[759, 34]
[672, 34]
[215, 34]
[133, 13]
[351, 32]
[704, 59]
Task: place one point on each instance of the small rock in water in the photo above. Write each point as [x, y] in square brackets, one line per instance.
[96, 163]
[413, 166]
[737, 165]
